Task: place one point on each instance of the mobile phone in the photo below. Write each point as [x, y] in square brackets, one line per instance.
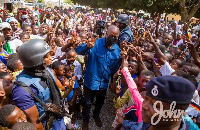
[8, 6]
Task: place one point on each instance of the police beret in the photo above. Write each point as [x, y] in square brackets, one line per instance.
[171, 88]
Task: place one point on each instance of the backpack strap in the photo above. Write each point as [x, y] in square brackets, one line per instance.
[29, 90]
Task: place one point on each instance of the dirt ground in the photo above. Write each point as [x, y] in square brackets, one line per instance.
[107, 114]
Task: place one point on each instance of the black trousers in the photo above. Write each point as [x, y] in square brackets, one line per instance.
[88, 100]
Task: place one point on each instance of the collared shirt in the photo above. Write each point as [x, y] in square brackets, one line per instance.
[17, 32]
[102, 64]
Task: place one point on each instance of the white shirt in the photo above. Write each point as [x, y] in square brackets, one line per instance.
[14, 44]
[59, 53]
[166, 69]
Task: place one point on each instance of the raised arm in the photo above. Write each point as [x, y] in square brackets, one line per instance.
[162, 58]
[133, 89]
[84, 48]
[193, 52]
[157, 25]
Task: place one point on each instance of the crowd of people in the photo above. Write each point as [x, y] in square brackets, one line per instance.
[56, 63]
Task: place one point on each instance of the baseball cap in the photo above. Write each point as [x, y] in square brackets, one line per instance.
[4, 25]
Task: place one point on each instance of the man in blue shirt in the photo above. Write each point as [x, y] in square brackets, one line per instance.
[103, 62]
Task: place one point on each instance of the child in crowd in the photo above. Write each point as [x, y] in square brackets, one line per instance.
[10, 115]
[24, 37]
[74, 96]
[145, 76]
[3, 53]
[15, 66]
[71, 61]
[59, 42]
[27, 29]
[59, 70]
[3, 67]
[13, 55]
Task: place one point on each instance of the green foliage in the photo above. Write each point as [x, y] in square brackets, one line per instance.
[150, 6]
[41, 1]
[68, 2]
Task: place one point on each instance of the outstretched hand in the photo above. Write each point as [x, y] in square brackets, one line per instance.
[151, 40]
[73, 39]
[124, 52]
[118, 89]
[91, 41]
[124, 56]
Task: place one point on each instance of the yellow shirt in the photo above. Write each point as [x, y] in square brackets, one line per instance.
[120, 102]
[14, 74]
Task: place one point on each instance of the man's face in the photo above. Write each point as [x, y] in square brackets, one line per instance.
[70, 56]
[14, 25]
[194, 39]
[114, 33]
[34, 21]
[119, 25]
[133, 67]
[30, 14]
[44, 29]
[143, 79]
[35, 30]
[3, 67]
[8, 83]
[167, 39]
[148, 111]
[16, 116]
[7, 32]
[186, 69]
[141, 42]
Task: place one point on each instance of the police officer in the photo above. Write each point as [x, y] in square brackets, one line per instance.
[100, 28]
[122, 22]
[41, 81]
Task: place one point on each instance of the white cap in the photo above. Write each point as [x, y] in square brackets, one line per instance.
[4, 25]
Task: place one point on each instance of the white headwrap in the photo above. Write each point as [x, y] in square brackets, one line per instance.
[13, 20]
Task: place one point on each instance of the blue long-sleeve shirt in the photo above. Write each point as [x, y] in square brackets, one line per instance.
[102, 64]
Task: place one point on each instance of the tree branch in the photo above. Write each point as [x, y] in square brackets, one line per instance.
[194, 10]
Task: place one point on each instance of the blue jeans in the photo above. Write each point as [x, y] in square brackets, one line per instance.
[88, 100]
